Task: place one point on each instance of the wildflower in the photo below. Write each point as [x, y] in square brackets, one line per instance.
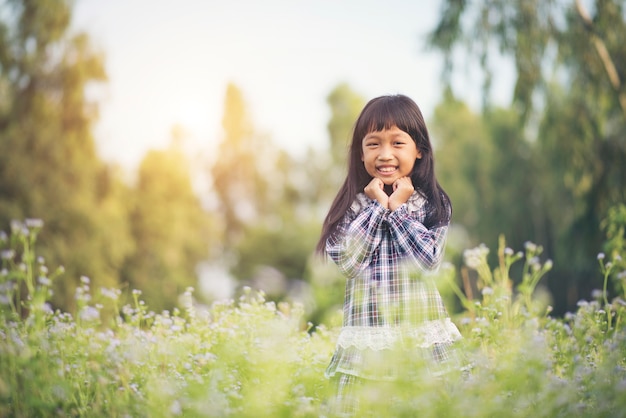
[596, 293]
[44, 281]
[33, 223]
[112, 294]
[4, 272]
[475, 257]
[508, 251]
[548, 264]
[7, 254]
[487, 291]
[89, 313]
[601, 256]
[176, 408]
[3, 236]
[136, 292]
[84, 279]
[81, 294]
[535, 264]
[18, 228]
[530, 247]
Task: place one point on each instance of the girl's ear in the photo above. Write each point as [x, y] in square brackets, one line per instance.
[419, 154]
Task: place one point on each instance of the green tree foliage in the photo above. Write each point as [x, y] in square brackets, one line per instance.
[172, 232]
[327, 283]
[272, 203]
[345, 105]
[238, 180]
[48, 164]
[569, 96]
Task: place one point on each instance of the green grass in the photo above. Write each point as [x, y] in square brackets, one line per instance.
[253, 358]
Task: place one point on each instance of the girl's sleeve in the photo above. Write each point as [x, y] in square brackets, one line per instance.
[354, 243]
[414, 241]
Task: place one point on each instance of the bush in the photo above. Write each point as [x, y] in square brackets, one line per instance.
[253, 358]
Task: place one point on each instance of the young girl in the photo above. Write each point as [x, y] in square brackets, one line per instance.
[385, 230]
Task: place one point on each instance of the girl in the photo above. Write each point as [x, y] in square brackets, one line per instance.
[385, 229]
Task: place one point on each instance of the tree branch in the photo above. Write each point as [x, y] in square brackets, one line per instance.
[605, 57]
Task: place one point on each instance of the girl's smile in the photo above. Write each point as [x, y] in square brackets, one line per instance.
[389, 154]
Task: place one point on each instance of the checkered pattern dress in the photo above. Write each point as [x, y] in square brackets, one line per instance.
[391, 300]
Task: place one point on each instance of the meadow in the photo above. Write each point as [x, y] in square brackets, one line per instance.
[251, 357]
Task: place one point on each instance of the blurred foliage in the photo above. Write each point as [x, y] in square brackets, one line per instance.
[170, 229]
[96, 225]
[48, 165]
[286, 197]
[254, 358]
[552, 167]
[548, 169]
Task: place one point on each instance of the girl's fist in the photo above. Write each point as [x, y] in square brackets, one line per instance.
[376, 190]
[402, 190]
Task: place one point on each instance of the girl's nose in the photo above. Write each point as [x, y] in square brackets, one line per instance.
[385, 153]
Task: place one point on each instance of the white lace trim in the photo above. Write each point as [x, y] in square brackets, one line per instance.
[415, 202]
[380, 338]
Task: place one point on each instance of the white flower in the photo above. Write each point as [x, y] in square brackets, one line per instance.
[112, 294]
[530, 247]
[7, 254]
[176, 408]
[89, 313]
[33, 223]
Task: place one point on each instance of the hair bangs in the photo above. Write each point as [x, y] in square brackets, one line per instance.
[385, 113]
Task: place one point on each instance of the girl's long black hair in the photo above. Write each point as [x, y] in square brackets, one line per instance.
[378, 114]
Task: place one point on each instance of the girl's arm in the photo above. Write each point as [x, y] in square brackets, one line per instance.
[414, 241]
[351, 247]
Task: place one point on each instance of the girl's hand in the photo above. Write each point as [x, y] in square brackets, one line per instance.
[402, 190]
[375, 190]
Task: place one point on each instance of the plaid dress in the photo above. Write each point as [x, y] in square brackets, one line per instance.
[391, 300]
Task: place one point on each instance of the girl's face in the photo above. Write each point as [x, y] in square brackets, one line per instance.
[389, 154]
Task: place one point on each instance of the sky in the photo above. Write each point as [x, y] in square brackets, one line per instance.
[169, 62]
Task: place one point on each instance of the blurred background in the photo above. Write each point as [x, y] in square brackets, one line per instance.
[169, 145]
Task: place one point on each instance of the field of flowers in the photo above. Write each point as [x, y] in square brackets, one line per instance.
[253, 358]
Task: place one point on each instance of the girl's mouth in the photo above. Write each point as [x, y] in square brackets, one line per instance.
[385, 170]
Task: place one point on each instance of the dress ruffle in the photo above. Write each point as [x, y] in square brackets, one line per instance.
[429, 333]
[389, 365]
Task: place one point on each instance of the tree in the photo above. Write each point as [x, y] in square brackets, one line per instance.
[570, 97]
[326, 281]
[237, 177]
[48, 164]
[171, 230]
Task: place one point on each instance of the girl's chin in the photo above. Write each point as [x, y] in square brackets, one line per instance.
[389, 181]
